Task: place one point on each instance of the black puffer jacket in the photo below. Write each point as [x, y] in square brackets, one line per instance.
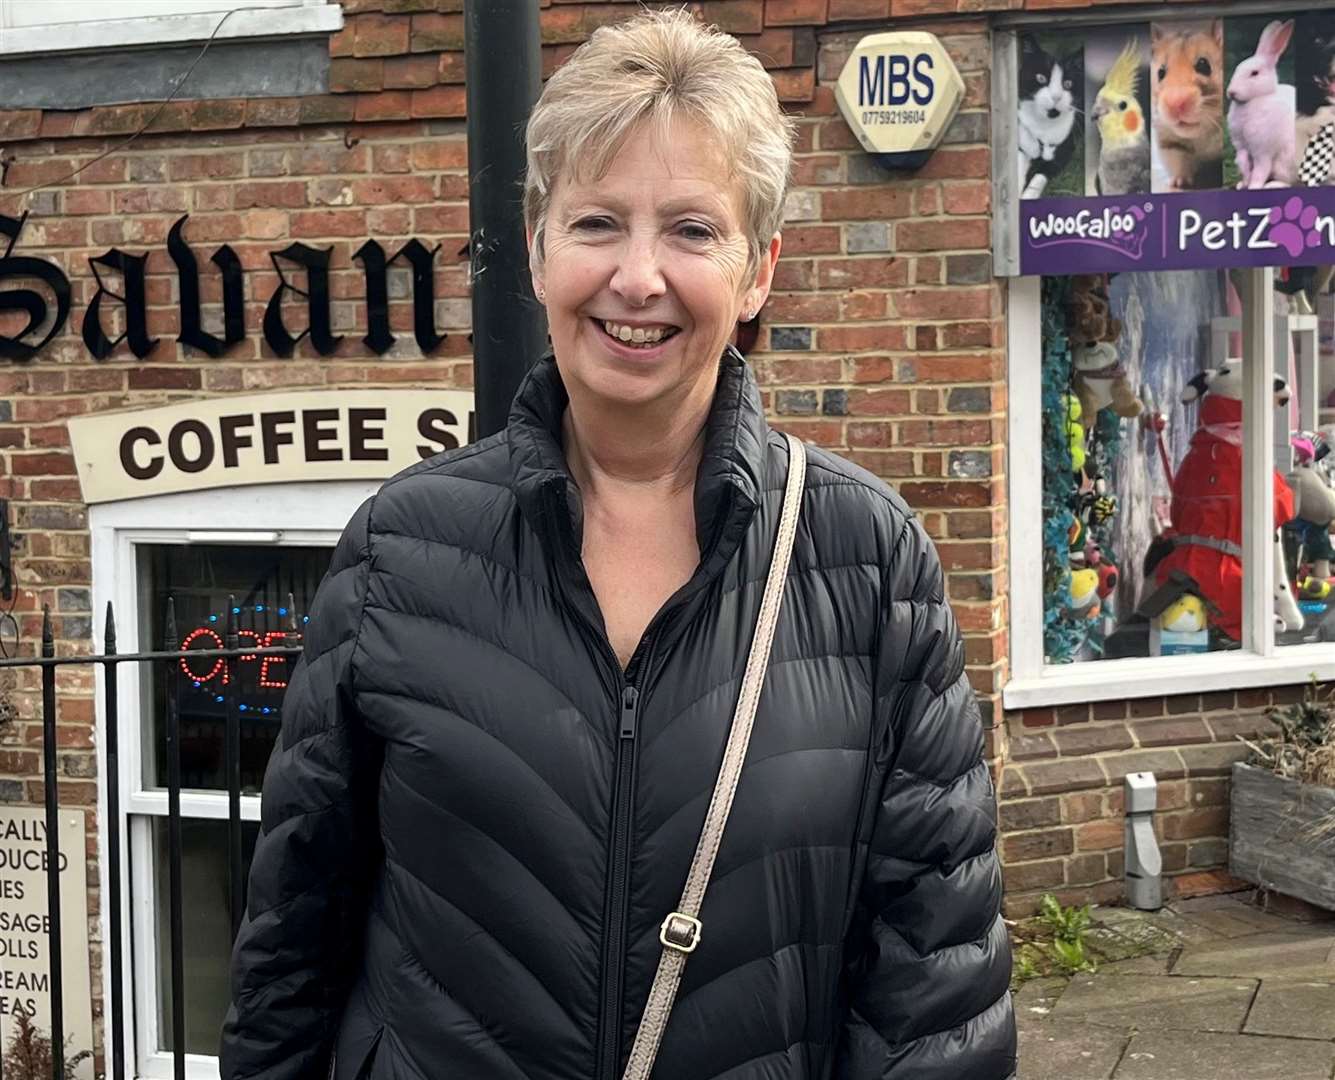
[474, 822]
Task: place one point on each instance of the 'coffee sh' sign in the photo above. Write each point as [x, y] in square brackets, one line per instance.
[1177, 144]
[263, 439]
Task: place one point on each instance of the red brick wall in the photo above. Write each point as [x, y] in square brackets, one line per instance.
[1061, 814]
[884, 339]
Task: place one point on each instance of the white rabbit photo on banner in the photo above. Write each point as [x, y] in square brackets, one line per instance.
[1261, 150]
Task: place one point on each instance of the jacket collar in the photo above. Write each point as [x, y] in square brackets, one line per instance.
[728, 484]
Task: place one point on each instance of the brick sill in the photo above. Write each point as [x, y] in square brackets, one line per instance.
[159, 30]
[1117, 680]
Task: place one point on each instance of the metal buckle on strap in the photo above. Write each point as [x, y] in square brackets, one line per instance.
[680, 932]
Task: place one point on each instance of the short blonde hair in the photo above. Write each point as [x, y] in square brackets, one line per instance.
[655, 67]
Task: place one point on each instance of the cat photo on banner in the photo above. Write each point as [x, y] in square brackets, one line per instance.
[1187, 105]
[1117, 137]
[1051, 116]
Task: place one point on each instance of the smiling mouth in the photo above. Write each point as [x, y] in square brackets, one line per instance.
[636, 337]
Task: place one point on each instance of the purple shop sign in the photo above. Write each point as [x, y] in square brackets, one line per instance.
[1198, 230]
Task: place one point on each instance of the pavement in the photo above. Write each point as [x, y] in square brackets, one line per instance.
[1212, 988]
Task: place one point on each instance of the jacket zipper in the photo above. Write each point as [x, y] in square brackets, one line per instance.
[617, 897]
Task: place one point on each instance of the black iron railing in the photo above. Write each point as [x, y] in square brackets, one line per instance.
[168, 659]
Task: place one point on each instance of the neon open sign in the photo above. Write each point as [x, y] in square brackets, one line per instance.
[204, 638]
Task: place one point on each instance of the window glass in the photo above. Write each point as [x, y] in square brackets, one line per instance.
[1142, 465]
[1305, 445]
[273, 588]
[207, 926]
[31, 13]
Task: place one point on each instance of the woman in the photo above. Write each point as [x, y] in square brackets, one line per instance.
[522, 667]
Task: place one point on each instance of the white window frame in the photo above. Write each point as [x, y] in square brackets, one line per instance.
[1259, 662]
[308, 18]
[307, 514]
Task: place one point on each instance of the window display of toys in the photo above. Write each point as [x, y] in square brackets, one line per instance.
[1205, 540]
[1179, 617]
[1098, 376]
[1313, 513]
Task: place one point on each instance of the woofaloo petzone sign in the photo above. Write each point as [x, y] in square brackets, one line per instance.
[899, 92]
[1162, 232]
[1180, 144]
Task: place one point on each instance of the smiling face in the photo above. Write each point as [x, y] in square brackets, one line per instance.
[646, 271]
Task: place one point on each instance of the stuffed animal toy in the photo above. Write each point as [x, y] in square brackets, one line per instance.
[1205, 540]
[1099, 379]
[1313, 512]
[1075, 433]
[1084, 593]
[1185, 615]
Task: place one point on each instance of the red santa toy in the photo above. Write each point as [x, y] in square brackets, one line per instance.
[1205, 541]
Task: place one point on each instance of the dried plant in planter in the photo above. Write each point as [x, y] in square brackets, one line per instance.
[28, 1056]
[1304, 749]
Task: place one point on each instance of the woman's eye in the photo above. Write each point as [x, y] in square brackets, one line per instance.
[1203, 67]
[594, 224]
[695, 231]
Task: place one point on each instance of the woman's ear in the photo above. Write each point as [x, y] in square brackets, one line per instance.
[534, 266]
[769, 259]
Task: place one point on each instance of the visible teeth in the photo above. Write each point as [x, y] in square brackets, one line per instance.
[637, 335]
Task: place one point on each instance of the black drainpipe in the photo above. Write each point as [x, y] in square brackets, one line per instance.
[504, 58]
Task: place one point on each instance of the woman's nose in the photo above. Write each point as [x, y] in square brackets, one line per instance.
[638, 278]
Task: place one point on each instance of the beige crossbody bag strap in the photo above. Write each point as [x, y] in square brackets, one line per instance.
[681, 930]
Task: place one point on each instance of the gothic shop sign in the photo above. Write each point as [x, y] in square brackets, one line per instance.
[264, 439]
[25, 932]
[40, 310]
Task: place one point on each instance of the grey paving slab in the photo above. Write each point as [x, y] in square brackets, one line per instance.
[1156, 1002]
[1293, 952]
[1128, 939]
[1298, 1008]
[1155, 964]
[1062, 1051]
[1166, 1055]
[1034, 1001]
[1182, 928]
[1239, 921]
[1213, 902]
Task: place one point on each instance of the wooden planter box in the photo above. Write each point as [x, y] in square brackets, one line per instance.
[1282, 835]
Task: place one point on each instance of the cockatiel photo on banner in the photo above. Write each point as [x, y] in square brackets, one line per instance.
[1124, 150]
[1121, 161]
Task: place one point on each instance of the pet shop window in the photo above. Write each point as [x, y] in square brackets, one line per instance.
[1165, 208]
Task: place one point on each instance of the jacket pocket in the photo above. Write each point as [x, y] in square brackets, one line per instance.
[349, 1065]
[368, 1062]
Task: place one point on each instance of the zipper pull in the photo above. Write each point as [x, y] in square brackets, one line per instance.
[630, 703]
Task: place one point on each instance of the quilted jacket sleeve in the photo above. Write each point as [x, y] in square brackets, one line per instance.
[313, 862]
[928, 956]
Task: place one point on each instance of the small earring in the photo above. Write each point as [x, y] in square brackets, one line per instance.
[542, 294]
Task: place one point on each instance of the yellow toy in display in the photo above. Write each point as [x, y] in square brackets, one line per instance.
[1075, 432]
[1084, 592]
[1185, 615]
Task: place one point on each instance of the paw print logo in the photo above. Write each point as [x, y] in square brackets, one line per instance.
[1291, 226]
